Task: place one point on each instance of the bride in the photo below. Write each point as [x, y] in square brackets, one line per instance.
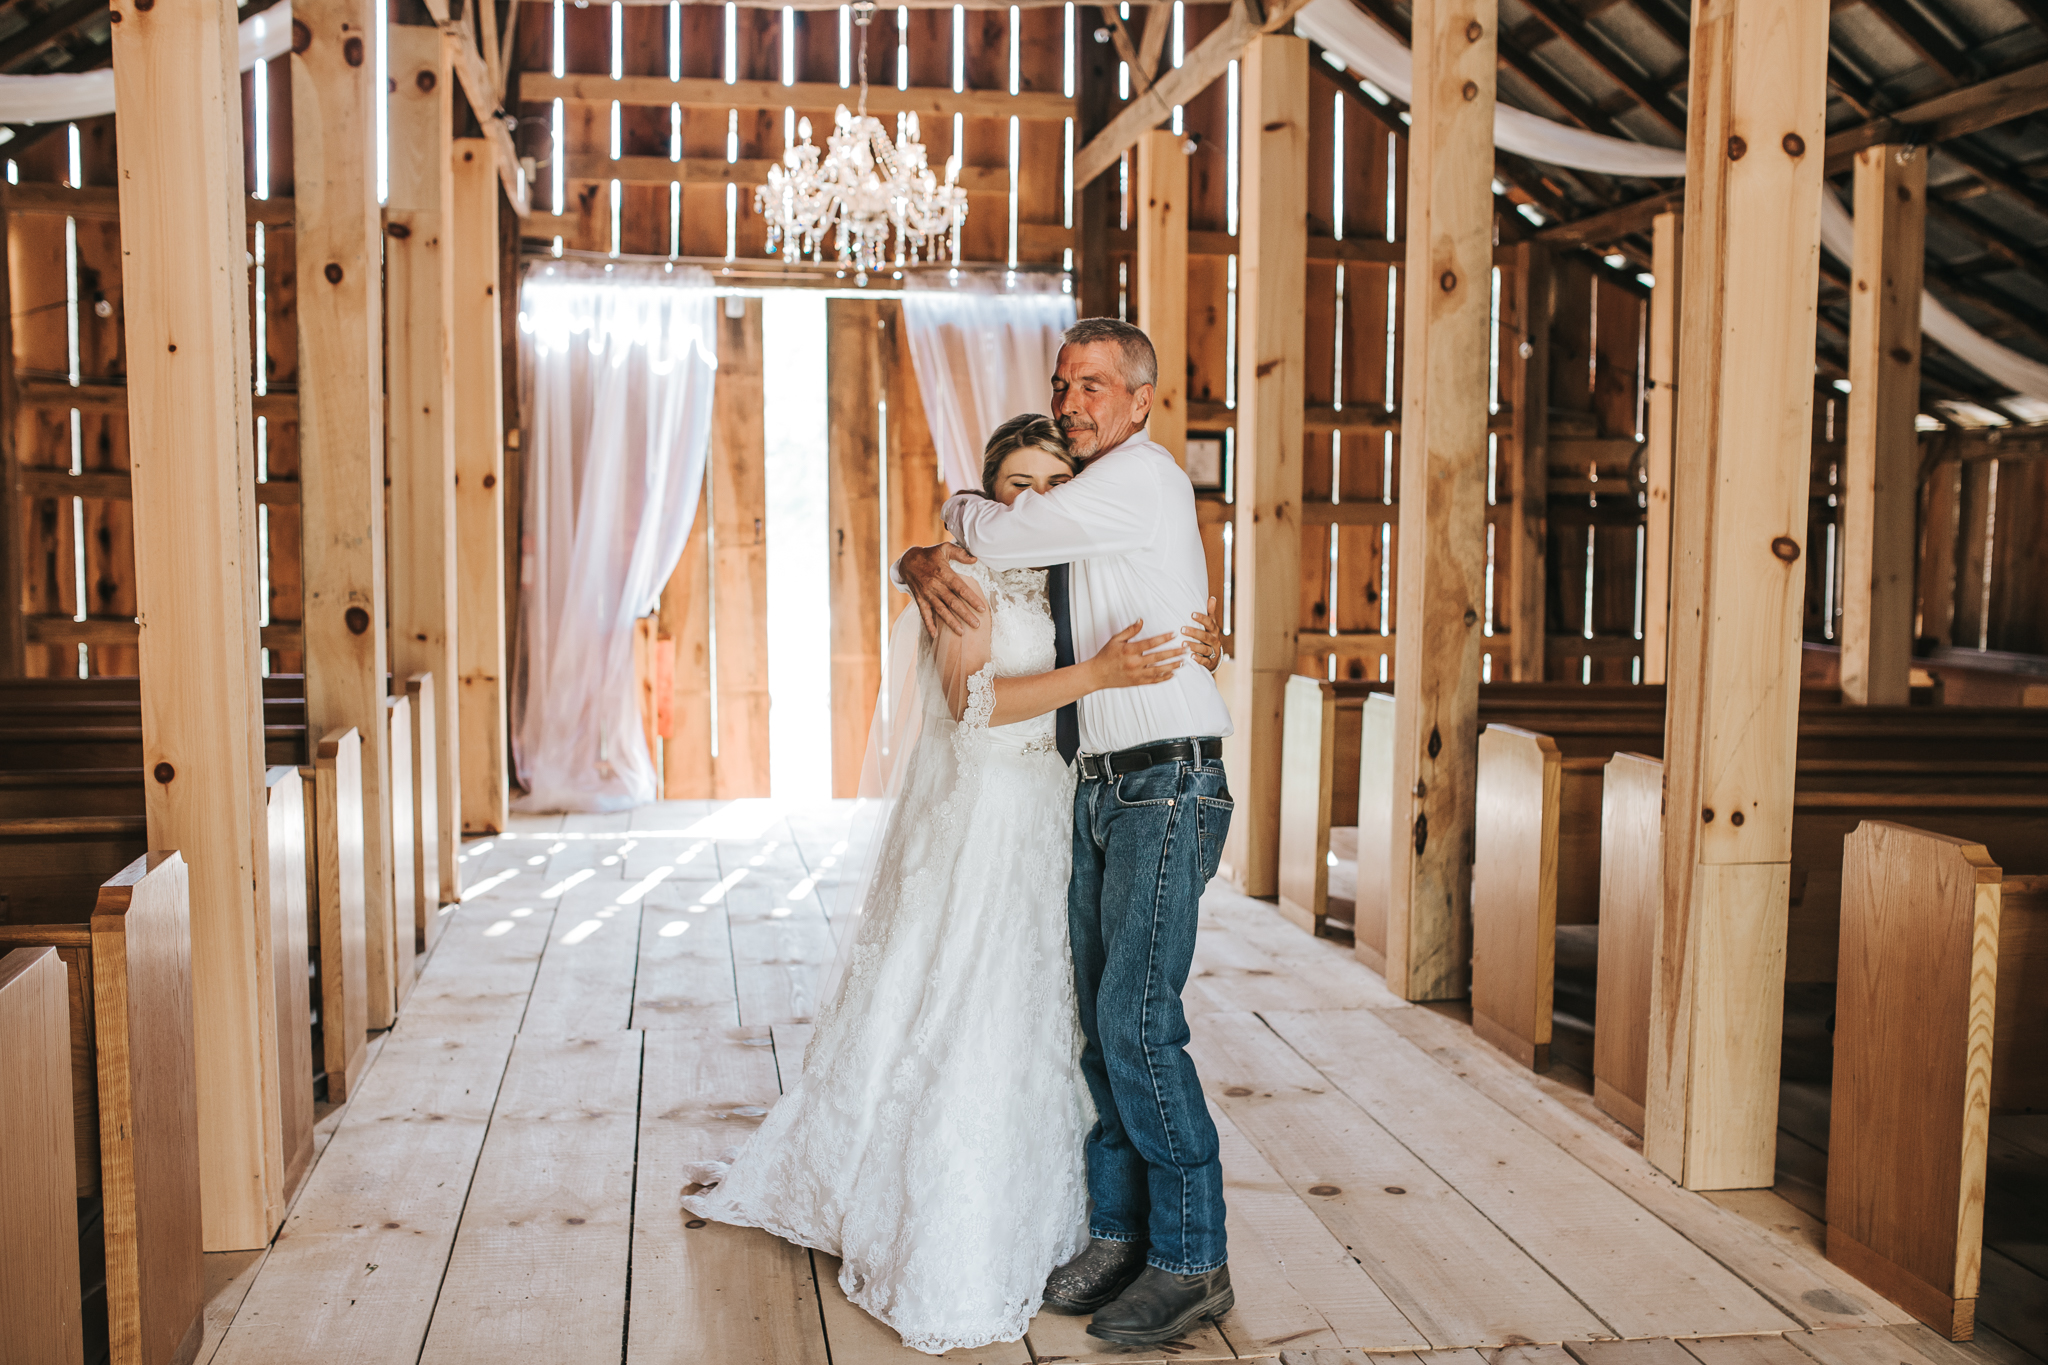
[934, 1142]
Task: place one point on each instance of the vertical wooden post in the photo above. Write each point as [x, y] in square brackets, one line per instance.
[1163, 281]
[420, 375]
[1529, 383]
[193, 463]
[1745, 395]
[341, 421]
[1094, 202]
[854, 383]
[13, 622]
[1883, 465]
[479, 408]
[1272, 359]
[1666, 265]
[739, 447]
[1443, 498]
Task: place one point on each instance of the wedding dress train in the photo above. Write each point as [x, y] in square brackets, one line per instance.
[935, 1140]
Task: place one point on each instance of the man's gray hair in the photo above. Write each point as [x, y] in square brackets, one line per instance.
[1139, 362]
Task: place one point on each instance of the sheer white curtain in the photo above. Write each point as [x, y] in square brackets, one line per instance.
[1366, 47]
[618, 367]
[983, 347]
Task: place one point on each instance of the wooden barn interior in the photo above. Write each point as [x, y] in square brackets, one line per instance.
[1620, 436]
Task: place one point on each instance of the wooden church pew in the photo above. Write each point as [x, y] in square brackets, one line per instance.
[1320, 722]
[428, 854]
[1514, 891]
[126, 945]
[388, 943]
[290, 956]
[39, 1281]
[2011, 823]
[1940, 1020]
[334, 835]
[31, 746]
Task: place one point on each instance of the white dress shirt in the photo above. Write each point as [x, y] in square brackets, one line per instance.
[1127, 525]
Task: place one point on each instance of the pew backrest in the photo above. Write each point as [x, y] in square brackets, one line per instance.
[335, 885]
[39, 1280]
[81, 791]
[1516, 804]
[1375, 828]
[50, 866]
[149, 1111]
[1307, 753]
[432, 857]
[2019, 1046]
[285, 812]
[391, 939]
[1631, 901]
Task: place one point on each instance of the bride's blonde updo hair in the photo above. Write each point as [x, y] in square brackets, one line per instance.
[1031, 429]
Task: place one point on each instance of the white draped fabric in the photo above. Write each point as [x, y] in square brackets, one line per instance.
[1341, 28]
[88, 94]
[983, 347]
[618, 368]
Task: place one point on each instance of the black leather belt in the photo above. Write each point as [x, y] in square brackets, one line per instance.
[1101, 767]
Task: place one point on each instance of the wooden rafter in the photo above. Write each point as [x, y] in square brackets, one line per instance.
[1608, 57]
[57, 22]
[1957, 113]
[482, 90]
[1200, 67]
[1930, 43]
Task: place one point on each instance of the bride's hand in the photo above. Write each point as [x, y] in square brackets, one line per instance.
[1129, 662]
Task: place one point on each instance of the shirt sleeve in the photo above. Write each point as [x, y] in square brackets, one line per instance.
[1111, 508]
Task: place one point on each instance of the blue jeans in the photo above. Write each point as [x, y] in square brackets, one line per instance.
[1145, 844]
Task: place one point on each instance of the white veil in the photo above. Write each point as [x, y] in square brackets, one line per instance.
[909, 686]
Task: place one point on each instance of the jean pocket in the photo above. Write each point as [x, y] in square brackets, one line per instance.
[1153, 786]
[1212, 824]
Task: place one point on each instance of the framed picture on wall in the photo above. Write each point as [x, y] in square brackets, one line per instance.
[1205, 463]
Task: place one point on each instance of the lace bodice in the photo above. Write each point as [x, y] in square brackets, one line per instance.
[1020, 643]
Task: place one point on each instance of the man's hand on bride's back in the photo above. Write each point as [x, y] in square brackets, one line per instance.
[942, 596]
[1125, 661]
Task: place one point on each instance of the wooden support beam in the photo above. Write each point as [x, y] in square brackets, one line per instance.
[738, 493]
[1272, 297]
[1525, 390]
[1740, 488]
[103, 202]
[485, 91]
[1955, 114]
[1211, 57]
[1094, 201]
[419, 373]
[341, 425]
[1163, 277]
[1608, 226]
[1442, 600]
[13, 621]
[854, 382]
[479, 408]
[1668, 232]
[929, 103]
[190, 428]
[1882, 491]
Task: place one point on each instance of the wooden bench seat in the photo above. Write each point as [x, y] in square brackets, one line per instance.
[126, 945]
[1941, 1020]
[30, 747]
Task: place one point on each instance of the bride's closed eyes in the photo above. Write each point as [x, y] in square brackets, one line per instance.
[1031, 468]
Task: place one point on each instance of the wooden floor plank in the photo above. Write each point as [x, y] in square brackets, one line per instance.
[1296, 1286]
[1809, 1289]
[705, 1291]
[778, 960]
[1640, 1277]
[1762, 1350]
[1325, 974]
[539, 1268]
[229, 1276]
[792, 1041]
[1452, 1273]
[1662, 1352]
[352, 1278]
[585, 983]
[1858, 1346]
[481, 971]
[685, 975]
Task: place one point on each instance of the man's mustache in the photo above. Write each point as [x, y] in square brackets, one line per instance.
[1076, 424]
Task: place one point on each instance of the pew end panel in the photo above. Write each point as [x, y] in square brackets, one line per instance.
[1308, 747]
[336, 817]
[2019, 1033]
[1631, 901]
[1910, 1123]
[1375, 829]
[429, 855]
[285, 808]
[394, 955]
[39, 1279]
[1514, 892]
[149, 1112]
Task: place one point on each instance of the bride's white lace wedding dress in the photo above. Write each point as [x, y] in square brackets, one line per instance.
[934, 1142]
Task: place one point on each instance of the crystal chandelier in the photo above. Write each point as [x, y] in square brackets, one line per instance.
[863, 191]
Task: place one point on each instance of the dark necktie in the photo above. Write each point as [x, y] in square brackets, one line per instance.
[1067, 724]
